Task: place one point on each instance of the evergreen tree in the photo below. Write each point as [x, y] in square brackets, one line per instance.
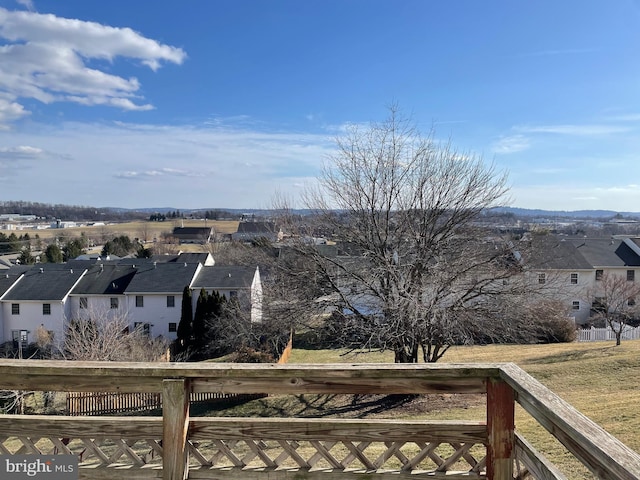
[26, 258]
[185, 326]
[72, 249]
[200, 321]
[53, 254]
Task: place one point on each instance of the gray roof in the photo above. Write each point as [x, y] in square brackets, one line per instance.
[9, 276]
[566, 253]
[224, 278]
[552, 252]
[162, 277]
[105, 280]
[606, 252]
[45, 281]
[256, 227]
[204, 231]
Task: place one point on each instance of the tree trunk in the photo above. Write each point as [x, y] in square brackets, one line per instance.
[406, 353]
[618, 338]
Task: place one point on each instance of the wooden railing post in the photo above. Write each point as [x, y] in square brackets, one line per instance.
[175, 424]
[500, 430]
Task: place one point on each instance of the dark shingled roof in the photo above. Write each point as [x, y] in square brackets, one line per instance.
[162, 277]
[105, 280]
[606, 252]
[224, 278]
[256, 227]
[45, 281]
[565, 253]
[552, 252]
[9, 276]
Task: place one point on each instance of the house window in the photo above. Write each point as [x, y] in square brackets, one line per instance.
[574, 279]
[20, 338]
[15, 309]
[599, 305]
[143, 327]
[171, 302]
[114, 303]
[233, 294]
[542, 278]
[139, 301]
[173, 327]
[631, 302]
[599, 274]
[83, 303]
[46, 309]
[631, 275]
[575, 305]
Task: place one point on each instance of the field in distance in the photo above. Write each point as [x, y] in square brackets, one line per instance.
[140, 229]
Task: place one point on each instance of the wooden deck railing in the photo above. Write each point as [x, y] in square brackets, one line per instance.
[177, 447]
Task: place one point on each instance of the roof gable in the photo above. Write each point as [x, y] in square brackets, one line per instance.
[224, 278]
[45, 282]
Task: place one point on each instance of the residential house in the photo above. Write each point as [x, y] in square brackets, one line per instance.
[234, 282]
[39, 297]
[252, 231]
[145, 292]
[193, 234]
[154, 296]
[573, 267]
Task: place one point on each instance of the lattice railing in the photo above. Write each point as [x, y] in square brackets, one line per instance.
[130, 448]
[406, 457]
[103, 452]
[238, 444]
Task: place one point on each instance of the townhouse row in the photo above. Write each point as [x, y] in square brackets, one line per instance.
[146, 292]
[575, 270]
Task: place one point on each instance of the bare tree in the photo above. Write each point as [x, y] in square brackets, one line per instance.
[614, 301]
[107, 336]
[411, 273]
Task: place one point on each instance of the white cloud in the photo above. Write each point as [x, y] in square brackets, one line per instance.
[45, 58]
[569, 196]
[22, 151]
[511, 144]
[28, 4]
[578, 130]
[187, 166]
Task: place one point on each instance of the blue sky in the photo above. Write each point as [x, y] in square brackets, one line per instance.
[221, 104]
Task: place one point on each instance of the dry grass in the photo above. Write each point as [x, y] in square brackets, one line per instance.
[599, 379]
[138, 229]
[141, 230]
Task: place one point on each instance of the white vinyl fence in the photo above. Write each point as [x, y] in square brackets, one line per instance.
[597, 334]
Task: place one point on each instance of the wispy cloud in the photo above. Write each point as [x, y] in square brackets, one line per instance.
[28, 4]
[628, 117]
[45, 57]
[511, 144]
[186, 166]
[577, 130]
[20, 151]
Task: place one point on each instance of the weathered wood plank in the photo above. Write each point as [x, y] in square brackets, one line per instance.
[205, 473]
[81, 427]
[535, 462]
[601, 452]
[500, 430]
[337, 430]
[245, 378]
[333, 385]
[175, 414]
[117, 472]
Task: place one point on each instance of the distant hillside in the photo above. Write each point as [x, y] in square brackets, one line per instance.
[591, 214]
